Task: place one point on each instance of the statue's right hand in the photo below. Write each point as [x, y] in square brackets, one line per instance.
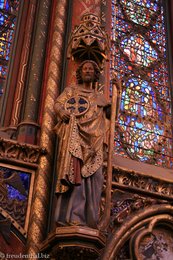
[64, 115]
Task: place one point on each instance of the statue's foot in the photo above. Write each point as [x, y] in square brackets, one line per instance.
[75, 223]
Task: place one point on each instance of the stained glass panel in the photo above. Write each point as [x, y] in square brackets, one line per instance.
[14, 189]
[139, 56]
[8, 17]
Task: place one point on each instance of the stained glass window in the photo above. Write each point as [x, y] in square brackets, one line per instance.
[14, 187]
[139, 56]
[8, 17]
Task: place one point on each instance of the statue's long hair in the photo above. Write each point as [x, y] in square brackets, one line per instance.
[79, 71]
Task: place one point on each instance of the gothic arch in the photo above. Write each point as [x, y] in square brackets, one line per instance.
[136, 228]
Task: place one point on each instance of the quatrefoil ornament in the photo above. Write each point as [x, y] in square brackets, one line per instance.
[77, 105]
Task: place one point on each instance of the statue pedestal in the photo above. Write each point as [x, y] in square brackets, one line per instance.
[74, 242]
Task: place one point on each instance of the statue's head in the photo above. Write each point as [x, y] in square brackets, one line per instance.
[88, 71]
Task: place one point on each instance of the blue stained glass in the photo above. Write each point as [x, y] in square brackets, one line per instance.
[1, 19]
[15, 194]
[8, 15]
[7, 5]
[16, 185]
[140, 57]
[24, 178]
[139, 125]
[133, 46]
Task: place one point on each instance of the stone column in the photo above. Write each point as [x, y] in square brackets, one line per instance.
[28, 128]
[40, 205]
[24, 58]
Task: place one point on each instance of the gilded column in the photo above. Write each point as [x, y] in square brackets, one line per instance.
[23, 65]
[40, 205]
[27, 129]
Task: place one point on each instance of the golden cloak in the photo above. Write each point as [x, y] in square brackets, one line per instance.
[82, 137]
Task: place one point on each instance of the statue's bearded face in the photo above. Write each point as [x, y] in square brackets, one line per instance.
[88, 72]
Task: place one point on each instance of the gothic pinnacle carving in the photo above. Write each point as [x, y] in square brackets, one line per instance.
[89, 40]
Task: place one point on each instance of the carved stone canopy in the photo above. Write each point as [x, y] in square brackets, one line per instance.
[89, 40]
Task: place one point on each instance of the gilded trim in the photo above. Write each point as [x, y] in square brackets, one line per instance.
[40, 206]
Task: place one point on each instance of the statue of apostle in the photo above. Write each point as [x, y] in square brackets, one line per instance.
[82, 129]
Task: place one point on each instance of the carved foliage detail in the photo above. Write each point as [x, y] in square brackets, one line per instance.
[12, 150]
[148, 184]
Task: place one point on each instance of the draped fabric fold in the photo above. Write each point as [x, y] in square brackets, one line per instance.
[81, 139]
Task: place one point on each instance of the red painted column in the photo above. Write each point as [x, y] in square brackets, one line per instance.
[28, 129]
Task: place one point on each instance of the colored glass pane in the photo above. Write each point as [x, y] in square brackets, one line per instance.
[138, 50]
[8, 17]
[15, 186]
[19, 191]
[140, 12]
[139, 56]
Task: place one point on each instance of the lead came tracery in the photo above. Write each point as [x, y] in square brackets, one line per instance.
[139, 54]
[8, 15]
